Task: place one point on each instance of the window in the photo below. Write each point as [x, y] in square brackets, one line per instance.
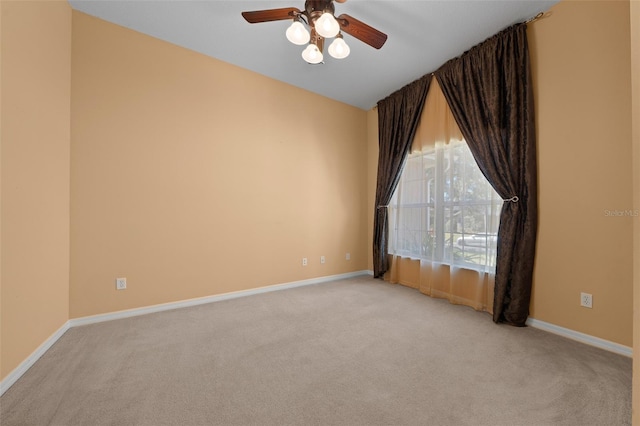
[444, 210]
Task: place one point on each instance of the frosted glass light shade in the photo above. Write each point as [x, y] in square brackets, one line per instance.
[339, 49]
[327, 26]
[312, 54]
[298, 34]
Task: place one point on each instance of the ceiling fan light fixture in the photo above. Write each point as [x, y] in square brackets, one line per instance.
[315, 24]
[327, 26]
[312, 54]
[339, 48]
[298, 34]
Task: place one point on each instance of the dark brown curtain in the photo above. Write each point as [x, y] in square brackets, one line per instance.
[490, 94]
[398, 117]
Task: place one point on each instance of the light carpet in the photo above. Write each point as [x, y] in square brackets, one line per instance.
[350, 352]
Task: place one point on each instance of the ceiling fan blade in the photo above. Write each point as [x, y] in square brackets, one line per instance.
[257, 16]
[362, 31]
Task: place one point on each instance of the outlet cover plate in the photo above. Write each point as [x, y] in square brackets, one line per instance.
[121, 283]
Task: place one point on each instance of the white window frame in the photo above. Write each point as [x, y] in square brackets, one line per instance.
[471, 249]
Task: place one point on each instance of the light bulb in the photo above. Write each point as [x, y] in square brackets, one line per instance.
[339, 49]
[327, 26]
[312, 54]
[297, 33]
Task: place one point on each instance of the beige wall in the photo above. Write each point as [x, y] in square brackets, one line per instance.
[635, 113]
[582, 78]
[192, 177]
[36, 65]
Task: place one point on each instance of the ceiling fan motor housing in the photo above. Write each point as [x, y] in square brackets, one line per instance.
[314, 8]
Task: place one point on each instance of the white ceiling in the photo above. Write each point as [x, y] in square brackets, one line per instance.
[422, 36]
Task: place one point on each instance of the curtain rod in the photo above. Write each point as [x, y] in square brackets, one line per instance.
[539, 16]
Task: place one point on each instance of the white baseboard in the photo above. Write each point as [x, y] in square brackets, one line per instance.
[581, 337]
[207, 299]
[27, 363]
[31, 359]
[44, 347]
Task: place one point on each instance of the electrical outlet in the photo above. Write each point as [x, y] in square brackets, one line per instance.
[586, 300]
[348, 256]
[322, 259]
[304, 261]
[121, 283]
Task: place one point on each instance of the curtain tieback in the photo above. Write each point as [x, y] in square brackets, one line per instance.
[513, 199]
[383, 207]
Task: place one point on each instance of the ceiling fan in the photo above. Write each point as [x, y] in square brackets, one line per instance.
[319, 16]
